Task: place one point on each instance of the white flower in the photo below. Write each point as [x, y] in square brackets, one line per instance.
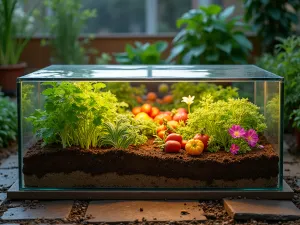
[188, 100]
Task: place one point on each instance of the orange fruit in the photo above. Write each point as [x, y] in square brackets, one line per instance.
[168, 99]
[146, 108]
[136, 110]
[151, 96]
[154, 112]
[142, 116]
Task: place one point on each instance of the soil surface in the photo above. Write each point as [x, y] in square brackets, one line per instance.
[149, 159]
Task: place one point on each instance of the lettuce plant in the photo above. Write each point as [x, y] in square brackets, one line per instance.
[74, 113]
[217, 117]
[8, 121]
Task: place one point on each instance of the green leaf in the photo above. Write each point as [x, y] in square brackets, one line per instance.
[194, 52]
[175, 52]
[213, 57]
[161, 46]
[181, 34]
[226, 47]
[274, 13]
[242, 40]
[48, 91]
[211, 9]
[227, 12]
[99, 86]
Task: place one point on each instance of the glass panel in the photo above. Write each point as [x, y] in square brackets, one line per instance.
[226, 72]
[105, 134]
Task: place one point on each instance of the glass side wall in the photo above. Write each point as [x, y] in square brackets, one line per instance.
[115, 135]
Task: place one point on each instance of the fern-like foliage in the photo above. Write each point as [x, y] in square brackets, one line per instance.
[116, 135]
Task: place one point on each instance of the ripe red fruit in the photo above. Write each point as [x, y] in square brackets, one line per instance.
[161, 117]
[202, 137]
[180, 116]
[172, 146]
[161, 134]
[146, 108]
[154, 112]
[183, 143]
[174, 137]
[182, 110]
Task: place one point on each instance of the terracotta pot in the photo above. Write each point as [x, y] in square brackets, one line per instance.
[9, 75]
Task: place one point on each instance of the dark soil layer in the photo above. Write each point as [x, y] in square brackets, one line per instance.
[148, 159]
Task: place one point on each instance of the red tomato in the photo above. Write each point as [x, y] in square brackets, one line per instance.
[154, 112]
[180, 116]
[160, 128]
[172, 146]
[182, 110]
[174, 124]
[146, 108]
[174, 137]
[168, 99]
[202, 137]
[160, 118]
[136, 110]
[161, 134]
[183, 143]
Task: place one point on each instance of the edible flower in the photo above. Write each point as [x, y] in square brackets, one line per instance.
[251, 137]
[234, 149]
[188, 100]
[236, 131]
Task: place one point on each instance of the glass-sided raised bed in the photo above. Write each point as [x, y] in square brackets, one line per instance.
[106, 128]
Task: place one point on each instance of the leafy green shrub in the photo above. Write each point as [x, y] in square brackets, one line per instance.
[217, 117]
[286, 63]
[65, 25]
[210, 37]
[8, 121]
[272, 19]
[147, 54]
[217, 92]
[273, 114]
[74, 113]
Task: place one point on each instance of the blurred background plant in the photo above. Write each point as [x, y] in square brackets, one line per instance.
[211, 36]
[286, 63]
[272, 19]
[8, 121]
[16, 29]
[147, 54]
[65, 24]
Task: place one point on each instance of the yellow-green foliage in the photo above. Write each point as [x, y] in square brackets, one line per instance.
[140, 129]
[272, 114]
[216, 117]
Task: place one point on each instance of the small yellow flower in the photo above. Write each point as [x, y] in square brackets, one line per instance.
[188, 100]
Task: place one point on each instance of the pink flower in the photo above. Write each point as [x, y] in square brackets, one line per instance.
[251, 137]
[234, 149]
[236, 131]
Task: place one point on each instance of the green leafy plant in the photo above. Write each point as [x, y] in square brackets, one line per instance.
[116, 135]
[12, 27]
[8, 121]
[104, 59]
[149, 54]
[210, 36]
[272, 19]
[65, 25]
[286, 63]
[273, 114]
[74, 113]
[125, 92]
[217, 92]
[216, 117]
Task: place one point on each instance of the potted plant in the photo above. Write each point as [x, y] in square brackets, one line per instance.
[13, 24]
[65, 24]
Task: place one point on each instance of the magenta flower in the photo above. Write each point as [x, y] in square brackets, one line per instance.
[236, 131]
[251, 137]
[234, 149]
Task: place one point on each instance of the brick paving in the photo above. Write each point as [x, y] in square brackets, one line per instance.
[82, 211]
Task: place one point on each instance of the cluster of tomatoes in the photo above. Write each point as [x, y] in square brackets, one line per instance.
[166, 119]
[195, 146]
[152, 98]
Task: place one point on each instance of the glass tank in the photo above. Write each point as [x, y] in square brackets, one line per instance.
[150, 128]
